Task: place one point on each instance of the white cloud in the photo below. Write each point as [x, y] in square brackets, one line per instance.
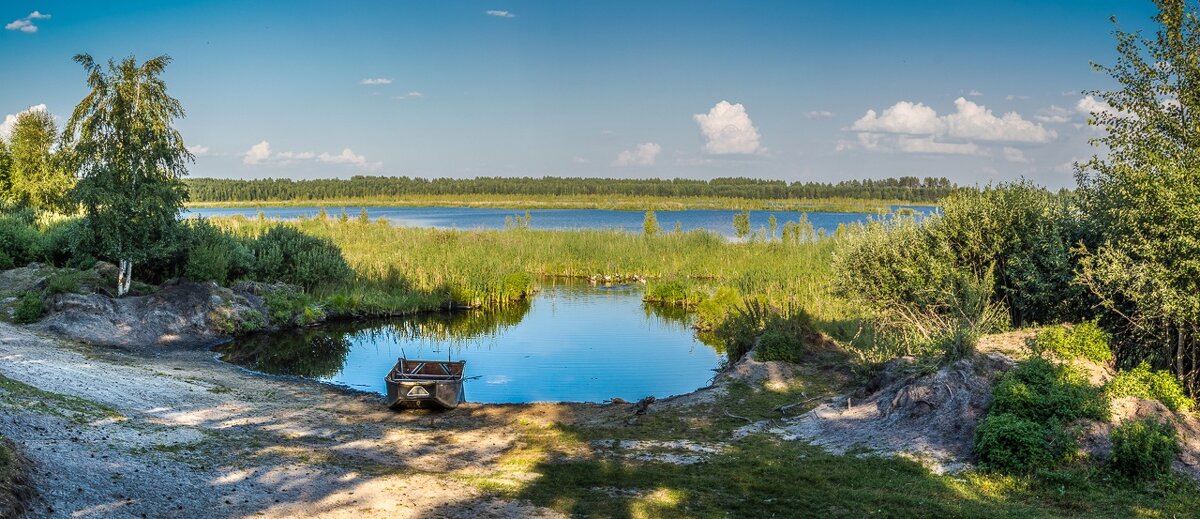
[500, 14]
[928, 145]
[261, 154]
[10, 120]
[1054, 114]
[728, 130]
[410, 95]
[26, 24]
[973, 121]
[1014, 155]
[902, 117]
[198, 150]
[974, 93]
[257, 154]
[376, 81]
[819, 114]
[643, 155]
[1012, 97]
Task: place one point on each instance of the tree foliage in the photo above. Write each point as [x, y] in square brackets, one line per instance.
[129, 157]
[1143, 195]
[35, 178]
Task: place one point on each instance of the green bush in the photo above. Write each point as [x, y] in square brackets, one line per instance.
[64, 282]
[1042, 391]
[286, 254]
[66, 244]
[1143, 449]
[1086, 340]
[29, 308]
[20, 240]
[1155, 385]
[213, 254]
[1009, 443]
[714, 309]
[674, 291]
[6, 261]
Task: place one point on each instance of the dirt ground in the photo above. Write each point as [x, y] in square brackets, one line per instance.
[181, 434]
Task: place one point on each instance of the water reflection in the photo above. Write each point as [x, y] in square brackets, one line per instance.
[571, 342]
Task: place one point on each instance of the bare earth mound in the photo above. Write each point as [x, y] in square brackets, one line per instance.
[930, 417]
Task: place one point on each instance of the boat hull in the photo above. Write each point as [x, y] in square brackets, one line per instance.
[425, 384]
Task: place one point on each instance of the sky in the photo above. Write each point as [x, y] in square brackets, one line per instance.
[976, 91]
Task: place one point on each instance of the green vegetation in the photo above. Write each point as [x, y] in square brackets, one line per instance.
[1086, 340]
[1144, 449]
[130, 161]
[383, 189]
[1142, 382]
[1026, 427]
[29, 308]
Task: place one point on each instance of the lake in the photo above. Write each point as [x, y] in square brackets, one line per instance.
[719, 221]
[572, 342]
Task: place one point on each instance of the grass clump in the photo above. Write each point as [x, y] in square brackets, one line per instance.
[780, 334]
[29, 308]
[1086, 340]
[1143, 449]
[1025, 429]
[1142, 382]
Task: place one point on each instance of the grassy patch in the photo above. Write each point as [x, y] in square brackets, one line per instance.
[25, 396]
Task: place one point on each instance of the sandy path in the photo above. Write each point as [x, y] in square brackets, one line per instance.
[194, 437]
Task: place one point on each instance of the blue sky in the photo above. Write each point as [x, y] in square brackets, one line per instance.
[974, 91]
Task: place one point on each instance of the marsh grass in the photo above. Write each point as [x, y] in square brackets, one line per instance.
[403, 269]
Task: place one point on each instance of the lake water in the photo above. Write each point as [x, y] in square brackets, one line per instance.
[571, 343]
[719, 221]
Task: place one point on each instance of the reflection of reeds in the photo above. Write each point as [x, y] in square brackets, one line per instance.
[306, 352]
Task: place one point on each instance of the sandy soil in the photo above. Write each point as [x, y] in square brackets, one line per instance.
[181, 434]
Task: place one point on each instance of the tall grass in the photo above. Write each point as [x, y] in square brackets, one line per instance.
[401, 268]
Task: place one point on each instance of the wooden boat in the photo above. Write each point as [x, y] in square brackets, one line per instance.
[427, 384]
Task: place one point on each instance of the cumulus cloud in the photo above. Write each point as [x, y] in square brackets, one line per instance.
[819, 114]
[902, 117]
[643, 155]
[257, 154]
[1055, 114]
[375, 81]
[500, 14]
[908, 144]
[262, 154]
[1014, 155]
[728, 130]
[910, 127]
[1089, 105]
[198, 150]
[10, 120]
[26, 24]
[973, 121]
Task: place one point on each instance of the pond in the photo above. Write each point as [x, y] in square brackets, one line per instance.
[572, 342]
[719, 221]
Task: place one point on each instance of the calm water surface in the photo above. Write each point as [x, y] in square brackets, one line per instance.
[571, 343]
[719, 221]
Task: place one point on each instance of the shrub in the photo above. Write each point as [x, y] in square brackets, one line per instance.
[1010, 443]
[1143, 449]
[1086, 340]
[1156, 385]
[675, 291]
[29, 308]
[64, 282]
[213, 254]
[286, 254]
[6, 261]
[1042, 391]
[20, 240]
[65, 242]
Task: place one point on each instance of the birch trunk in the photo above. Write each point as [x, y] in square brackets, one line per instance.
[124, 273]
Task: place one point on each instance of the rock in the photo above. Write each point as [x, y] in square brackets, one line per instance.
[930, 417]
[180, 314]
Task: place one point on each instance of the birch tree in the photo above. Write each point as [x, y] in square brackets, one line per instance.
[130, 160]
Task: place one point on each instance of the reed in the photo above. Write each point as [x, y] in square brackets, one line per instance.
[402, 269]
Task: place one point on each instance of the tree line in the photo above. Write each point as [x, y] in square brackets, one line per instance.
[912, 189]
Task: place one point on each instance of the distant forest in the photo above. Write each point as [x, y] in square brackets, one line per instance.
[911, 189]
